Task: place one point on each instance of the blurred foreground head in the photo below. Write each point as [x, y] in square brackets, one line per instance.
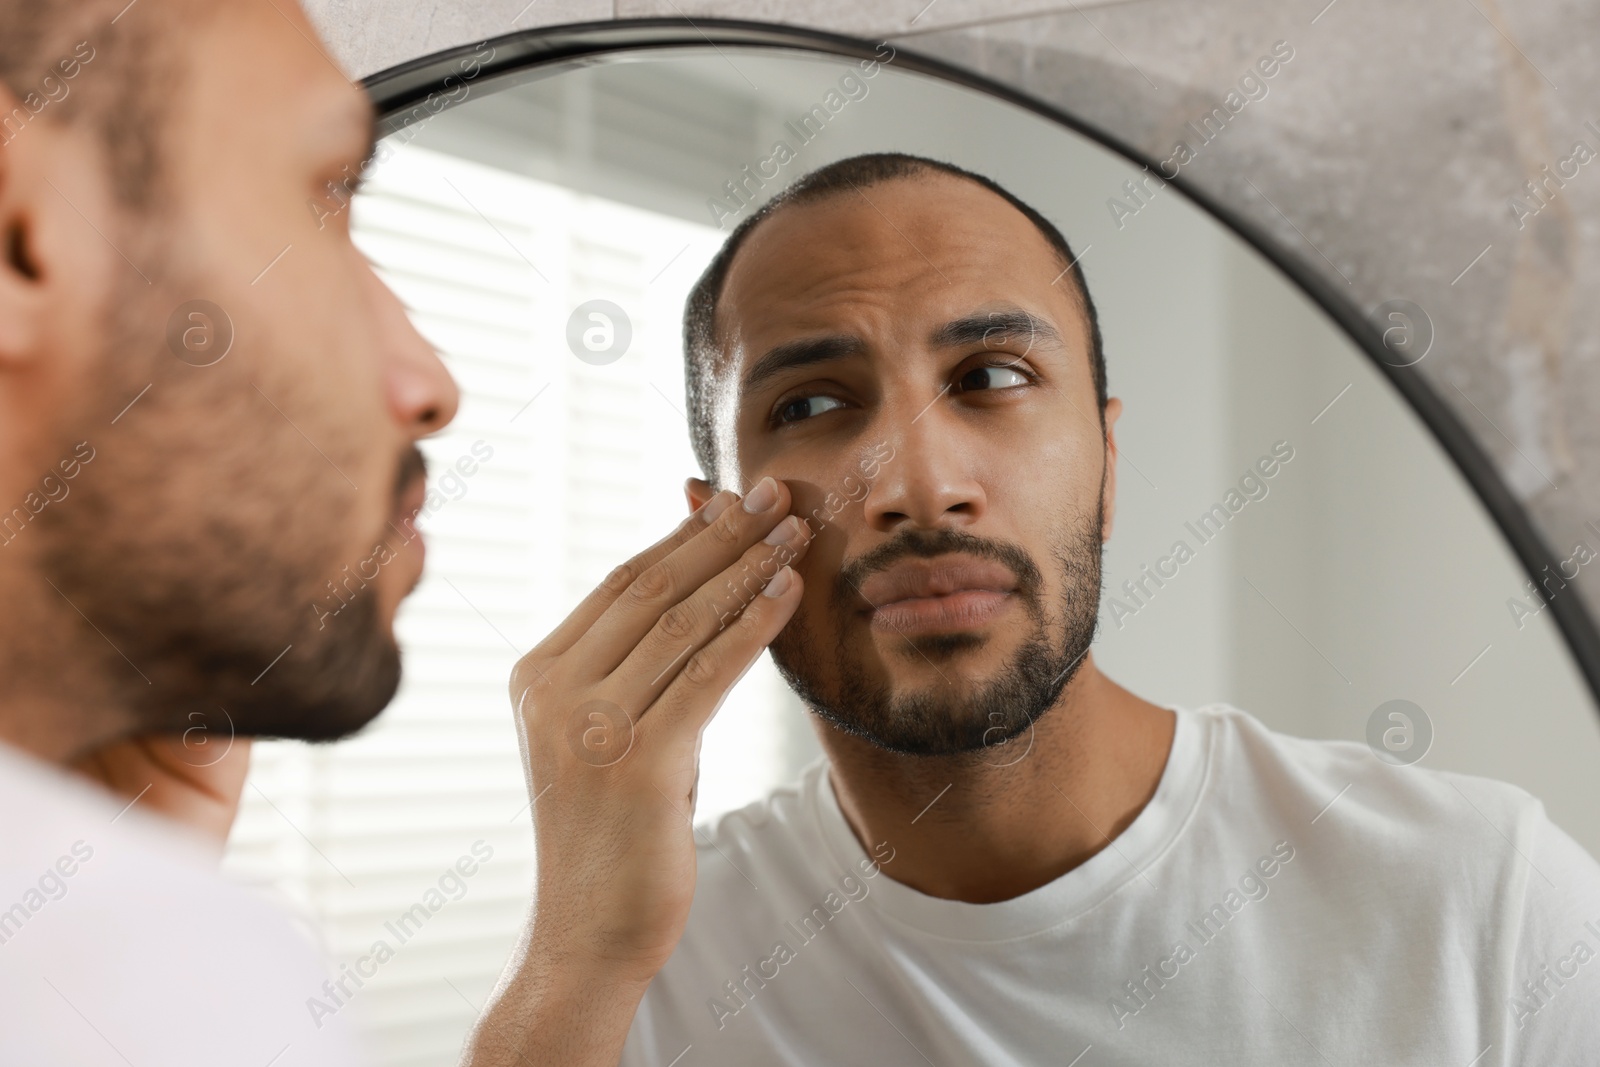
[208, 402]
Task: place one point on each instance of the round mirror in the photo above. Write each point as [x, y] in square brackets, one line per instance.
[1291, 536]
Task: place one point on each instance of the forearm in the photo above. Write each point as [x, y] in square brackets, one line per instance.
[550, 1011]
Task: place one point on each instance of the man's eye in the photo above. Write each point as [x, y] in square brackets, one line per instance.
[805, 407]
[992, 378]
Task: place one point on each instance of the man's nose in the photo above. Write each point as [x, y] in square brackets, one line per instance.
[931, 480]
[422, 395]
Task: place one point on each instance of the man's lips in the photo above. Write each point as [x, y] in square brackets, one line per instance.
[939, 595]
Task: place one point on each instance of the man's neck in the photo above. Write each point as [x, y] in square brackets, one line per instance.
[992, 825]
[56, 702]
[51, 731]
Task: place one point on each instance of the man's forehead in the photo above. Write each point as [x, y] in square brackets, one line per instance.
[269, 44]
[264, 50]
[934, 245]
[901, 220]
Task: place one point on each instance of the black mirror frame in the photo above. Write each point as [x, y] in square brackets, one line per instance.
[412, 91]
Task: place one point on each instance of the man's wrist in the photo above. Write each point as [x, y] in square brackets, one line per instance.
[563, 1005]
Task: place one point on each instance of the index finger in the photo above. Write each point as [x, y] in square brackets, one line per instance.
[617, 582]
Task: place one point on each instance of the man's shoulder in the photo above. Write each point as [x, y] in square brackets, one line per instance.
[1345, 795]
[1252, 759]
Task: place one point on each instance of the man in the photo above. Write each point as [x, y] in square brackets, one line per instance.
[1005, 857]
[209, 408]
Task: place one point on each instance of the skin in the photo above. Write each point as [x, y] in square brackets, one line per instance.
[147, 527]
[1001, 454]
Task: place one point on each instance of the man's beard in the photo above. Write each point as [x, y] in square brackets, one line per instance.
[932, 722]
[208, 602]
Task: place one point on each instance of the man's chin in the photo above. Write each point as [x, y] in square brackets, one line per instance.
[336, 696]
[927, 728]
[960, 644]
[321, 687]
[933, 711]
[350, 670]
[331, 719]
[963, 693]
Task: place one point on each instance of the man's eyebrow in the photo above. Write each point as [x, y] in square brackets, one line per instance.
[802, 353]
[978, 327]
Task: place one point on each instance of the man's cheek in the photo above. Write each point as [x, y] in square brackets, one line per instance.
[819, 570]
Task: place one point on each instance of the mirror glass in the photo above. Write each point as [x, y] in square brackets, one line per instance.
[544, 232]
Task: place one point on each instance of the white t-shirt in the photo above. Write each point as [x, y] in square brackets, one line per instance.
[120, 944]
[1278, 901]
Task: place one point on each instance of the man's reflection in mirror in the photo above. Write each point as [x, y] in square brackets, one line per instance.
[1004, 856]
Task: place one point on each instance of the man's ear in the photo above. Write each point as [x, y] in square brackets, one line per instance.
[1108, 500]
[697, 491]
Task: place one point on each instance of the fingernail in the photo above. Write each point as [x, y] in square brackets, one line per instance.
[780, 583]
[784, 532]
[762, 497]
[716, 506]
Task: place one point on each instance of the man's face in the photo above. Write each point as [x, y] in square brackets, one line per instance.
[912, 360]
[242, 535]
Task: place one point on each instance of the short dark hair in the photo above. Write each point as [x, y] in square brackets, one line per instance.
[701, 346]
[127, 67]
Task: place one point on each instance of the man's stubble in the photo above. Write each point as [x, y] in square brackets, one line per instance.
[842, 691]
[199, 540]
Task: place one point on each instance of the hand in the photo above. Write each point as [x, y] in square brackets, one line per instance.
[610, 708]
[178, 777]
